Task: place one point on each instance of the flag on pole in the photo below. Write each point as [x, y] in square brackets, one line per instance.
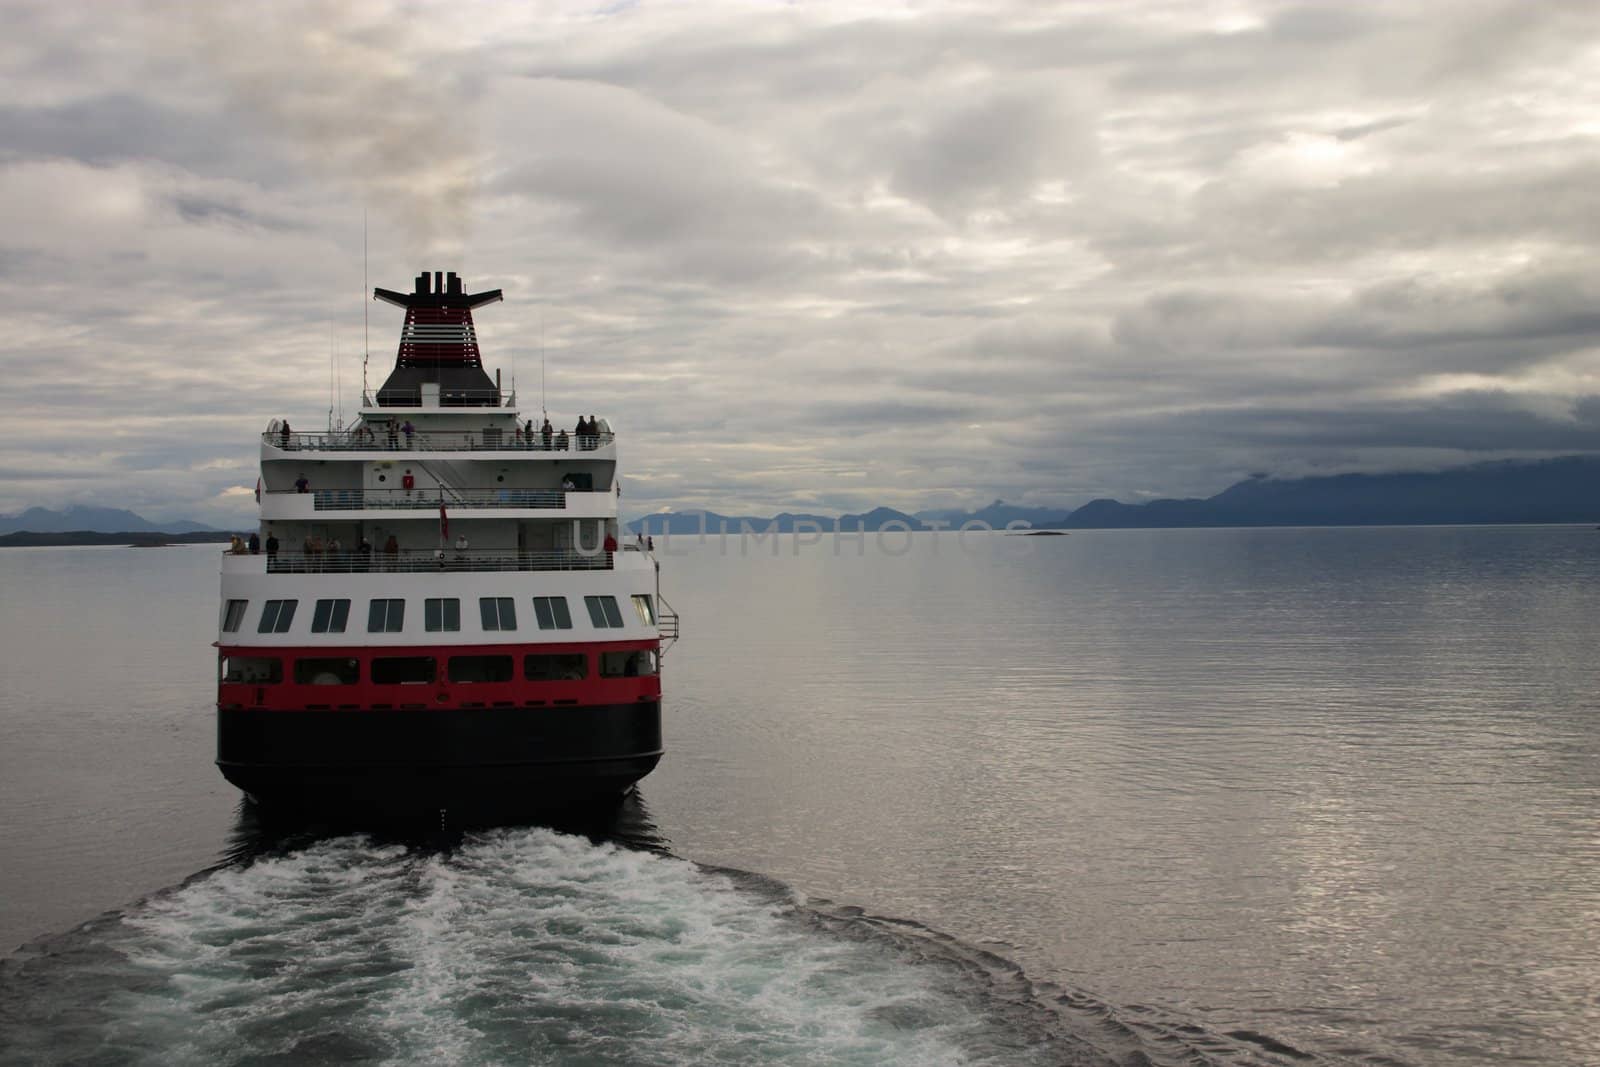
[258, 490]
[444, 524]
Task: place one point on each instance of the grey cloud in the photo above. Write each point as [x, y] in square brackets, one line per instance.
[647, 178]
[986, 146]
[1368, 129]
[1474, 422]
[873, 416]
[1036, 253]
[115, 126]
[1419, 209]
[1534, 307]
[1437, 327]
[208, 209]
[1318, 25]
[360, 94]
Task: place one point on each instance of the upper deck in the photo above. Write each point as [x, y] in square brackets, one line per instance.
[366, 437]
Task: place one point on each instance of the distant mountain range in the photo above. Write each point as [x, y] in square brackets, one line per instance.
[692, 522]
[94, 520]
[1554, 490]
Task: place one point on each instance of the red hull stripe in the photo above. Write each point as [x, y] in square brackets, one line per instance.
[304, 684]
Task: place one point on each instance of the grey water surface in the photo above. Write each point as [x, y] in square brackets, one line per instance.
[1205, 796]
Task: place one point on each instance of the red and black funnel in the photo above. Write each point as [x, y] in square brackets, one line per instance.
[438, 344]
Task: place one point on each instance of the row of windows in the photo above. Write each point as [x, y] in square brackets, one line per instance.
[439, 614]
[423, 670]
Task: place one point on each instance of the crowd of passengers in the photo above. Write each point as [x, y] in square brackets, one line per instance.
[585, 436]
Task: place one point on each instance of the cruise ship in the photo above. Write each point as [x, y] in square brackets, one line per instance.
[438, 612]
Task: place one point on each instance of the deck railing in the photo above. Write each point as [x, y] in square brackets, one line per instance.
[420, 500]
[443, 560]
[369, 440]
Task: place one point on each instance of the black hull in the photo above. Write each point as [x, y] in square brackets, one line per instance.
[471, 763]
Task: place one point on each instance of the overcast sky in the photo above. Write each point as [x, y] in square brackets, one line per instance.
[816, 255]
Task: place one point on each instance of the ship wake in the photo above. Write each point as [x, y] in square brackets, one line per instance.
[533, 946]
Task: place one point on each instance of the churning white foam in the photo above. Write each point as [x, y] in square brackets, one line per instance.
[519, 946]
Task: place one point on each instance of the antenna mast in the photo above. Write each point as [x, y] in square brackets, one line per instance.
[338, 379]
[366, 349]
[333, 370]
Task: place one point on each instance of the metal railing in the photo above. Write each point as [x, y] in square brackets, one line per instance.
[441, 560]
[421, 500]
[366, 439]
[667, 622]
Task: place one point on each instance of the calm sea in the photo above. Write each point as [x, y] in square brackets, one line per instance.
[1209, 796]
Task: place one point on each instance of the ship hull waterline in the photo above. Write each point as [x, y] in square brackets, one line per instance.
[480, 763]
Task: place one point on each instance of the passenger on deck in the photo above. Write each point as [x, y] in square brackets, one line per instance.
[610, 544]
[235, 546]
[283, 434]
[302, 484]
[561, 440]
[408, 429]
[568, 485]
[544, 433]
[255, 543]
[394, 432]
[391, 551]
[272, 542]
[364, 554]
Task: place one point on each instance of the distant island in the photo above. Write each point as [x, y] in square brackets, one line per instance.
[1564, 490]
[137, 539]
[80, 517]
[81, 525]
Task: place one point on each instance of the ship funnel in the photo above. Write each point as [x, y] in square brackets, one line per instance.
[438, 344]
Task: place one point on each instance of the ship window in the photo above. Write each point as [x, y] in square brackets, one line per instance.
[276, 617]
[626, 664]
[480, 668]
[252, 670]
[561, 667]
[330, 616]
[233, 615]
[499, 612]
[441, 613]
[386, 616]
[646, 610]
[327, 671]
[552, 613]
[402, 670]
[603, 612]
